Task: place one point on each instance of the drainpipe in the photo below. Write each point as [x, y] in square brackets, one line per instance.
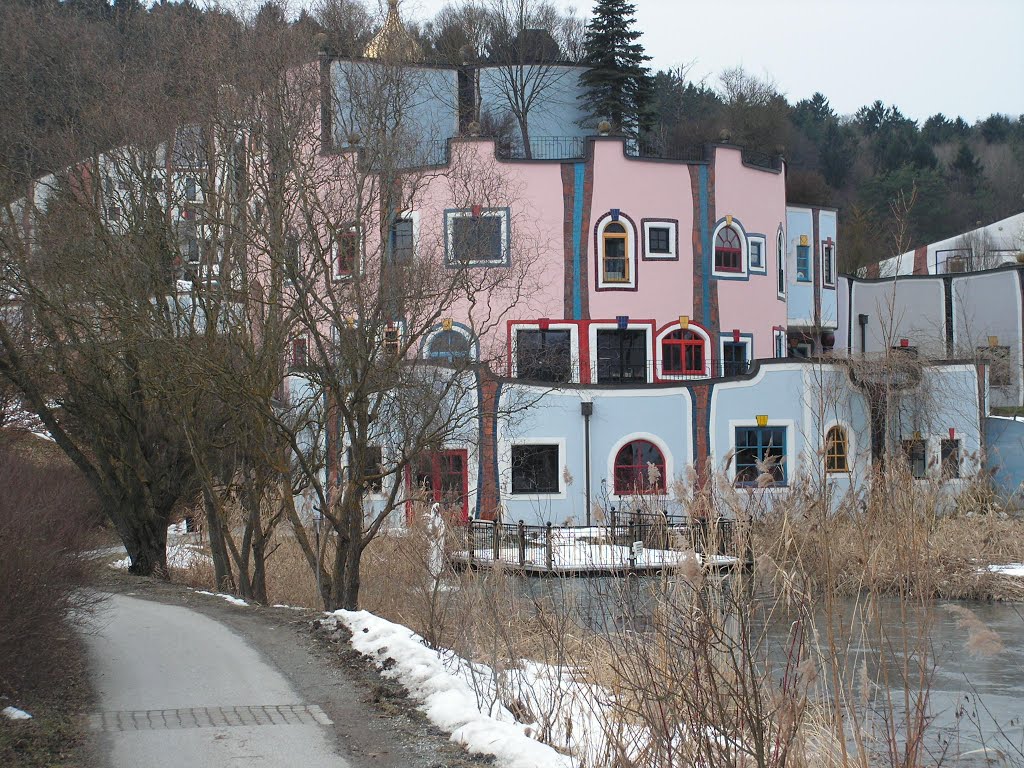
[862, 321]
[587, 409]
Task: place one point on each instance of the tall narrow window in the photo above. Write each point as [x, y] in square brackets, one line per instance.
[836, 450]
[760, 451]
[803, 263]
[639, 469]
[299, 353]
[291, 255]
[347, 253]
[917, 457]
[950, 459]
[756, 255]
[828, 263]
[780, 252]
[402, 241]
[728, 251]
[621, 356]
[682, 354]
[615, 262]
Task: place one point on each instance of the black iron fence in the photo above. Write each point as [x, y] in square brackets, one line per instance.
[621, 540]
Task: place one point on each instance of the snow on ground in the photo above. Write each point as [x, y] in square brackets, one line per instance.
[13, 713]
[230, 598]
[583, 555]
[1008, 569]
[438, 681]
[184, 550]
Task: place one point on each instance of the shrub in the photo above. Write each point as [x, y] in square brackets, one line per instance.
[45, 516]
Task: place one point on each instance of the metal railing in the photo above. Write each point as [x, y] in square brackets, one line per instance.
[614, 372]
[620, 541]
[544, 148]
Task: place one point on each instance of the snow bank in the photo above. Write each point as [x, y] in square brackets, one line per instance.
[180, 553]
[13, 713]
[447, 698]
[1009, 569]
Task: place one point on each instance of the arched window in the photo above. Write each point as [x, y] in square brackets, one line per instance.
[728, 251]
[639, 469]
[836, 450]
[449, 346]
[615, 254]
[682, 353]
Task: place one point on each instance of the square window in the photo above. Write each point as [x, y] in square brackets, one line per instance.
[621, 356]
[734, 358]
[760, 451]
[544, 355]
[535, 469]
[477, 237]
[658, 240]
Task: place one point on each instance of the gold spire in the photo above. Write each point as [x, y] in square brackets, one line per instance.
[393, 40]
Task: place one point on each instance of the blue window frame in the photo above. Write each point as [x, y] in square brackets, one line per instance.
[760, 450]
[803, 263]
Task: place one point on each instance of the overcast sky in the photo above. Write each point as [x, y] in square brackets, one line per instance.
[958, 57]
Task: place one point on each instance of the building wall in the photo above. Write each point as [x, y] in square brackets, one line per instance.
[812, 304]
[555, 91]
[901, 309]
[1004, 452]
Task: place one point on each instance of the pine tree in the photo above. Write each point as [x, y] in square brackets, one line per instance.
[618, 85]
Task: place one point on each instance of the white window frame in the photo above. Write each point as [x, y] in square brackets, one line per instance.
[762, 242]
[791, 464]
[780, 343]
[337, 275]
[645, 327]
[673, 239]
[724, 339]
[503, 214]
[821, 263]
[574, 347]
[474, 352]
[658, 443]
[659, 365]
[409, 215]
[744, 272]
[631, 250]
[507, 465]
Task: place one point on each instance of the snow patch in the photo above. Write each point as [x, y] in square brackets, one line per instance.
[230, 598]
[446, 697]
[1008, 569]
[13, 713]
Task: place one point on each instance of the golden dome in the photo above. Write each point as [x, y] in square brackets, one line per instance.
[393, 41]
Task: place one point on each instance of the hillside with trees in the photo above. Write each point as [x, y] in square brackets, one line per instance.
[68, 65]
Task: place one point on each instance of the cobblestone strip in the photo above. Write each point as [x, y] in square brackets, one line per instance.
[209, 717]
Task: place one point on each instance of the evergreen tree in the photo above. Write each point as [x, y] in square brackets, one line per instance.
[618, 85]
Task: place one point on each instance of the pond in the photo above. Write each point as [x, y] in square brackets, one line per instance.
[975, 681]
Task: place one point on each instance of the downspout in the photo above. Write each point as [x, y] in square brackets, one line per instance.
[587, 409]
[862, 320]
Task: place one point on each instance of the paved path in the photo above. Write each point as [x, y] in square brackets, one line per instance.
[177, 688]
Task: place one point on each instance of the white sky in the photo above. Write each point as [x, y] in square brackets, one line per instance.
[958, 57]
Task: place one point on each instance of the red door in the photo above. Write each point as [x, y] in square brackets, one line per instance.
[442, 477]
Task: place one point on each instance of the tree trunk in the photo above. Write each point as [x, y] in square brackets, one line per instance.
[218, 549]
[524, 131]
[145, 539]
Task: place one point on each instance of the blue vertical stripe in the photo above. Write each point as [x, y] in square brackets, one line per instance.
[705, 240]
[577, 238]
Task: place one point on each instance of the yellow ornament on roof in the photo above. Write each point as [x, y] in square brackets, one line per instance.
[393, 41]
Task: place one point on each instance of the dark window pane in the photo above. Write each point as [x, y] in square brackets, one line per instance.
[621, 356]
[402, 241]
[950, 459]
[535, 469]
[803, 263]
[450, 346]
[544, 355]
[476, 239]
[764, 445]
[658, 240]
[734, 358]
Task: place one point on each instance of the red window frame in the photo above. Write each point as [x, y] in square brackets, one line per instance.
[435, 467]
[688, 344]
[346, 253]
[299, 352]
[728, 251]
[631, 477]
